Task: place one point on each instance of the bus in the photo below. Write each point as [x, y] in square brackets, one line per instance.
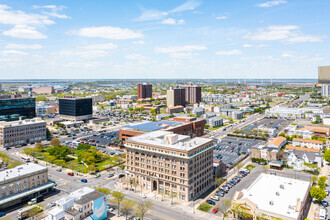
[28, 211]
[25, 158]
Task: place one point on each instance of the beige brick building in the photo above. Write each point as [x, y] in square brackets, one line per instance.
[22, 132]
[22, 183]
[168, 163]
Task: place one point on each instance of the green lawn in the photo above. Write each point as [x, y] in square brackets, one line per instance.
[204, 207]
[250, 167]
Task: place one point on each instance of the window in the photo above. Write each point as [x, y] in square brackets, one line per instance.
[11, 186]
[18, 183]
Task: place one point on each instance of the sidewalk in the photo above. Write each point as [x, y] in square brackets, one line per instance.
[314, 209]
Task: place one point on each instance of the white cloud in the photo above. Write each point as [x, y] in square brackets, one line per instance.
[23, 46]
[56, 15]
[288, 33]
[151, 15]
[183, 55]
[108, 32]
[172, 21]
[189, 5]
[25, 32]
[228, 52]
[14, 52]
[247, 45]
[136, 57]
[16, 17]
[180, 51]
[139, 42]
[53, 12]
[271, 3]
[84, 64]
[222, 17]
[87, 54]
[252, 45]
[108, 46]
[177, 49]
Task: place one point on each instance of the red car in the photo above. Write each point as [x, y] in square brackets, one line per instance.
[70, 174]
[215, 210]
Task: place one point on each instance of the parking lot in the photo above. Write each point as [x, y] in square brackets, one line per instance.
[249, 179]
[230, 149]
[271, 124]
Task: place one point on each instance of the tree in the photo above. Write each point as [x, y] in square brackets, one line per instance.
[218, 181]
[326, 155]
[118, 197]
[152, 111]
[224, 205]
[314, 179]
[39, 146]
[135, 183]
[142, 208]
[104, 190]
[322, 182]
[317, 193]
[83, 147]
[127, 206]
[55, 142]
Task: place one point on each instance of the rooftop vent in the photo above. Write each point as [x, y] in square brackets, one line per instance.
[282, 186]
[271, 203]
[277, 193]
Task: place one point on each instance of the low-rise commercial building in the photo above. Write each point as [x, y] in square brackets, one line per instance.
[169, 163]
[22, 132]
[277, 143]
[43, 90]
[80, 204]
[291, 113]
[22, 183]
[175, 109]
[308, 143]
[179, 125]
[272, 196]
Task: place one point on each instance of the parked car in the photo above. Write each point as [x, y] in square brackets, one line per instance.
[142, 195]
[326, 191]
[216, 198]
[52, 204]
[325, 203]
[215, 210]
[110, 175]
[210, 202]
[98, 175]
[110, 209]
[59, 170]
[71, 174]
[121, 175]
[84, 180]
[220, 193]
[2, 214]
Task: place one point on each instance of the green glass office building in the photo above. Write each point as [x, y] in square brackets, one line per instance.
[13, 109]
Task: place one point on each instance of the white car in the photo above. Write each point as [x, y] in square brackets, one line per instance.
[216, 198]
[110, 209]
[142, 196]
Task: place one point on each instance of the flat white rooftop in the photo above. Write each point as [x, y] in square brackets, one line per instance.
[159, 138]
[277, 194]
[21, 122]
[20, 171]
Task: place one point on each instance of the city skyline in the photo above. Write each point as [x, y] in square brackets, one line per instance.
[174, 39]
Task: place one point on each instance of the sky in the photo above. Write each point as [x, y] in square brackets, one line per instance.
[193, 39]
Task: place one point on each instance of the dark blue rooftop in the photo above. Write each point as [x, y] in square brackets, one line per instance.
[152, 126]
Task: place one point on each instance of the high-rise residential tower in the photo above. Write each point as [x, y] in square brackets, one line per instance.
[144, 91]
